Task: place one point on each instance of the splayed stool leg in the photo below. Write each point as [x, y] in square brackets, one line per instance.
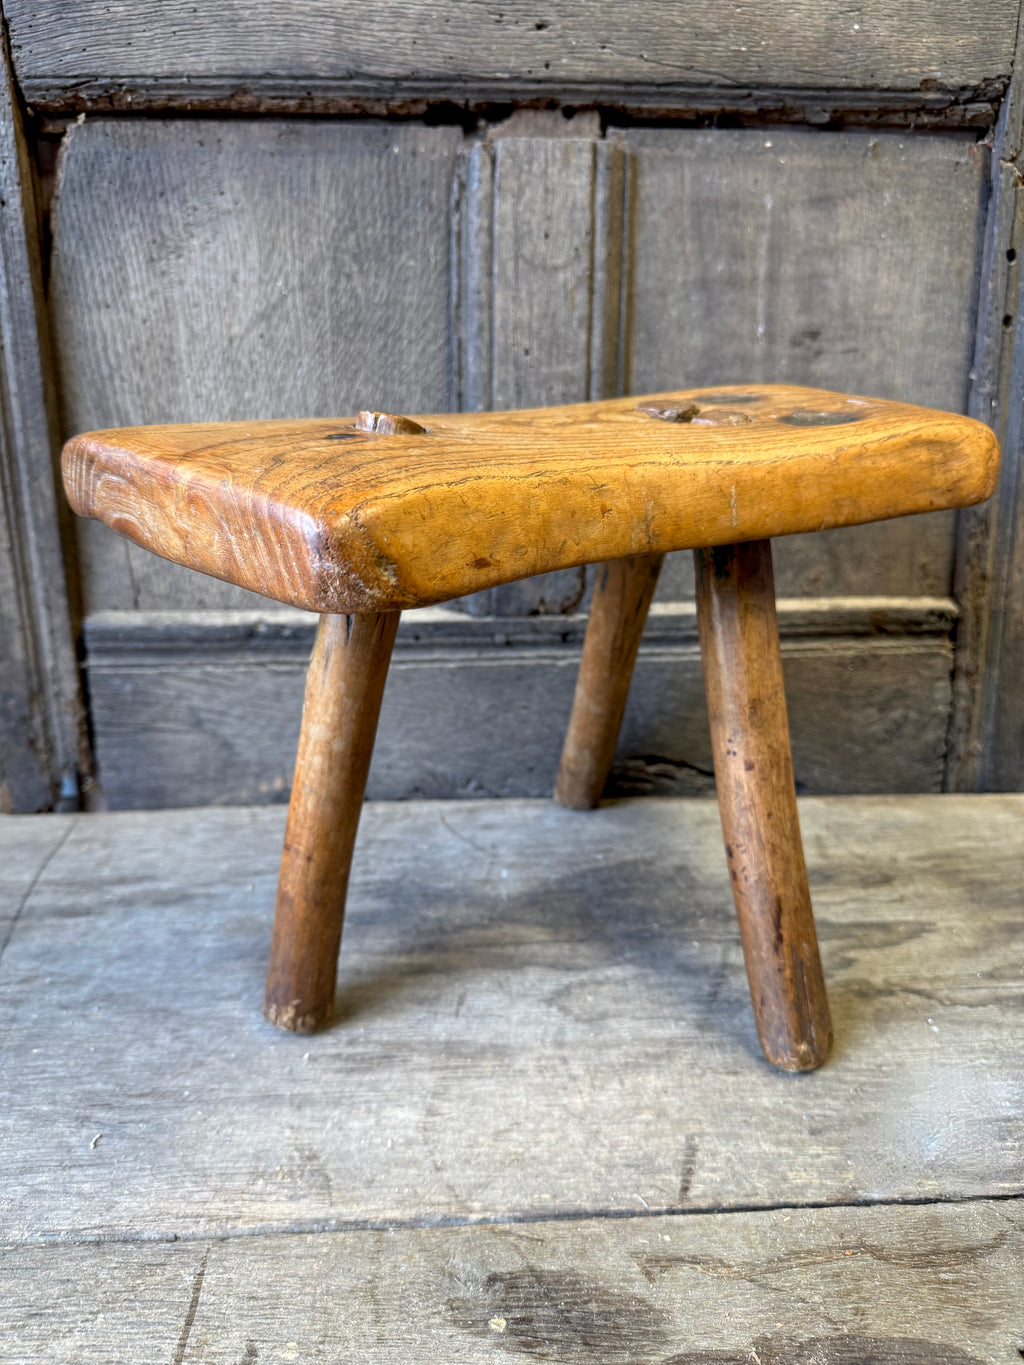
[757, 799]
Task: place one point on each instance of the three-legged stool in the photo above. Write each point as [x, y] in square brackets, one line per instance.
[358, 520]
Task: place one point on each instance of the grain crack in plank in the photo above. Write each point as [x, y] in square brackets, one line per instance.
[34, 883]
[190, 1312]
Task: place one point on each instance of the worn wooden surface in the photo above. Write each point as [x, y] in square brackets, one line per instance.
[344, 686]
[204, 271]
[909, 203]
[618, 612]
[43, 753]
[885, 1286]
[739, 641]
[148, 333]
[145, 53]
[988, 723]
[541, 1013]
[322, 515]
[545, 1028]
[538, 290]
[478, 706]
[783, 253]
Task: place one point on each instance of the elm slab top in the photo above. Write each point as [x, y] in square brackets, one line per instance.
[384, 513]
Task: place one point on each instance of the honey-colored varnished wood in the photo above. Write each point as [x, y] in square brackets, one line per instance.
[328, 516]
[344, 687]
[618, 610]
[757, 799]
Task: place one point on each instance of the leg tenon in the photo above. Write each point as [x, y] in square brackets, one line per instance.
[344, 687]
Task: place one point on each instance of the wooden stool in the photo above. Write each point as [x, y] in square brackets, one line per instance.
[358, 520]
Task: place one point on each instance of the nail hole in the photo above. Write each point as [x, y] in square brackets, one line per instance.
[1007, 321]
[805, 417]
[1011, 255]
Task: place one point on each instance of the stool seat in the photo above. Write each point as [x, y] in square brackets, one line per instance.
[383, 512]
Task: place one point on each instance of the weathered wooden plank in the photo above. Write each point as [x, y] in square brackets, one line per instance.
[906, 1286]
[24, 859]
[539, 224]
[987, 735]
[541, 1014]
[43, 752]
[217, 270]
[146, 52]
[846, 259]
[478, 706]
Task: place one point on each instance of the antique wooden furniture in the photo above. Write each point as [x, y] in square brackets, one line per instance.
[359, 519]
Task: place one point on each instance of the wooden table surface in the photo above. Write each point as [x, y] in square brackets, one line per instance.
[541, 1126]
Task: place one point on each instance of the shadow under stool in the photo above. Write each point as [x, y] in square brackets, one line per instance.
[357, 520]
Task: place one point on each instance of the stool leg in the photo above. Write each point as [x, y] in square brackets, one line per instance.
[344, 687]
[754, 775]
[617, 615]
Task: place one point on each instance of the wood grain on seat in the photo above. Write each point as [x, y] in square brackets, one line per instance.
[327, 515]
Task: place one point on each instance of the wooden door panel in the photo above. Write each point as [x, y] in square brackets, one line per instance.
[842, 260]
[210, 269]
[216, 268]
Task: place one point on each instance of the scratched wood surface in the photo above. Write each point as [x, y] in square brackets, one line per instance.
[883, 1286]
[145, 53]
[545, 1027]
[541, 1014]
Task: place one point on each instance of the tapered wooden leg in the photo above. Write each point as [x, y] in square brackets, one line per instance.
[618, 611]
[754, 775]
[344, 687]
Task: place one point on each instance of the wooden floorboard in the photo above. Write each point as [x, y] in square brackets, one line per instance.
[888, 1286]
[543, 1066]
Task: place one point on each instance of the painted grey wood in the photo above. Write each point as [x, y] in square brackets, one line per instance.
[188, 712]
[217, 270]
[542, 1015]
[987, 735]
[147, 52]
[906, 1286]
[42, 744]
[841, 260]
